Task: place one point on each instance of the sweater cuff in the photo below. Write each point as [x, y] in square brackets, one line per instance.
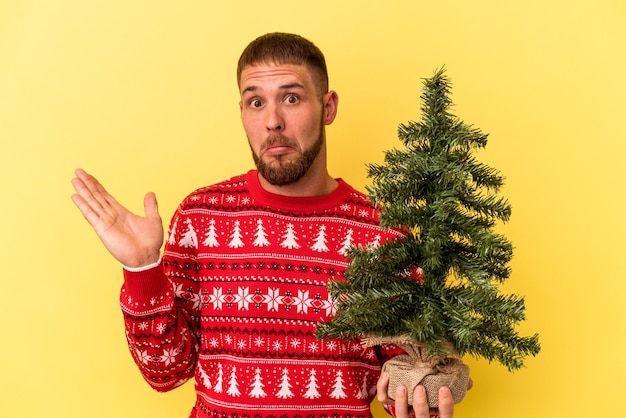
[143, 268]
[145, 283]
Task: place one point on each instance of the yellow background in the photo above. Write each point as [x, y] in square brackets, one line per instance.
[143, 94]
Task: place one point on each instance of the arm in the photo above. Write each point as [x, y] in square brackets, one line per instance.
[156, 327]
[160, 331]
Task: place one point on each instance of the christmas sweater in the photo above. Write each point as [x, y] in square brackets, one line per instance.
[236, 298]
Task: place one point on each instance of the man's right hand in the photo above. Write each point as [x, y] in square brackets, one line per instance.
[133, 240]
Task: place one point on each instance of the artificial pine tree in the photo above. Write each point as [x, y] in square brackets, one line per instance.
[434, 291]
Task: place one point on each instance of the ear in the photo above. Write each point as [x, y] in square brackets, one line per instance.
[330, 101]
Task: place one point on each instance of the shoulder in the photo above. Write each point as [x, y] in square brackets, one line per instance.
[360, 208]
[358, 196]
[357, 203]
[233, 186]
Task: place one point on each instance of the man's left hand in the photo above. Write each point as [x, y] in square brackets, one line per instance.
[400, 405]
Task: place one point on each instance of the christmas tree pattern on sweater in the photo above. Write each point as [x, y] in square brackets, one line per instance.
[248, 274]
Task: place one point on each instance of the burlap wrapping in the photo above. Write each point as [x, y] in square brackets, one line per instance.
[419, 367]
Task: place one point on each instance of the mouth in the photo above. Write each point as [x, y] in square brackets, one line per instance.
[277, 147]
[276, 150]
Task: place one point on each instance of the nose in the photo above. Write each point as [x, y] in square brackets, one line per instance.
[274, 120]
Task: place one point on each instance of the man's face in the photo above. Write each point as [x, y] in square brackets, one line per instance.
[283, 114]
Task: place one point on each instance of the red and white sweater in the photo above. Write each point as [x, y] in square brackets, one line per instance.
[235, 301]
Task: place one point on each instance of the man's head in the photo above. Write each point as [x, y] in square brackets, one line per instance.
[285, 48]
[285, 105]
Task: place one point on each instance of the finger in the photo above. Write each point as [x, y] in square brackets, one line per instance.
[90, 191]
[420, 403]
[93, 186]
[446, 403]
[95, 195]
[402, 404]
[381, 388]
[89, 181]
[91, 209]
[85, 209]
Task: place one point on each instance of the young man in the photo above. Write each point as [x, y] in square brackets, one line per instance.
[234, 299]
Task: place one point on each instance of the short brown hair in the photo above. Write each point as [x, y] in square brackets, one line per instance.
[285, 48]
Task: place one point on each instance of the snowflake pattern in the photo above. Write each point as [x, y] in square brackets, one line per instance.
[259, 342]
[169, 355]
[244, 298]
[143, 356]
[160, 328]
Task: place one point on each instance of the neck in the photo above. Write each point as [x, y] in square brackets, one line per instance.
[305, 187]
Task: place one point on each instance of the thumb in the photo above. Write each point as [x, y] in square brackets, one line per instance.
[151, 206]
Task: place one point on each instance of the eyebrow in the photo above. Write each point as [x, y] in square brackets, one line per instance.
[289, 86]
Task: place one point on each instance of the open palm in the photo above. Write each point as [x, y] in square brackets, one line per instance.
[133, 240]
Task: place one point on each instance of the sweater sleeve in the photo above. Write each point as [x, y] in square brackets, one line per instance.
[159, 331]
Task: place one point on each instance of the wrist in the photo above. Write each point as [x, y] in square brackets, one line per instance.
[144, 267]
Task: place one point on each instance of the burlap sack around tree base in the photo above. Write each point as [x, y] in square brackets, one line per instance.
[403, 370]
[418, 367]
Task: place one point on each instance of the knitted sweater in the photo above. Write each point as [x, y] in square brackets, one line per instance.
[235, 301]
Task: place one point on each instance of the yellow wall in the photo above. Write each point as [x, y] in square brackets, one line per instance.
[143, 94]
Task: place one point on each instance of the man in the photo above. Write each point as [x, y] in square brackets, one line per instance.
[234, 299]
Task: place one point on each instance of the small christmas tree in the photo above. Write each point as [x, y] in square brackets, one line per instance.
[434, 291]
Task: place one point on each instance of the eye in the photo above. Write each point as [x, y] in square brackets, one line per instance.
[255, 103]
[292, 99]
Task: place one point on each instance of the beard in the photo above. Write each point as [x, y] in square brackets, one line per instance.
[282, 170]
